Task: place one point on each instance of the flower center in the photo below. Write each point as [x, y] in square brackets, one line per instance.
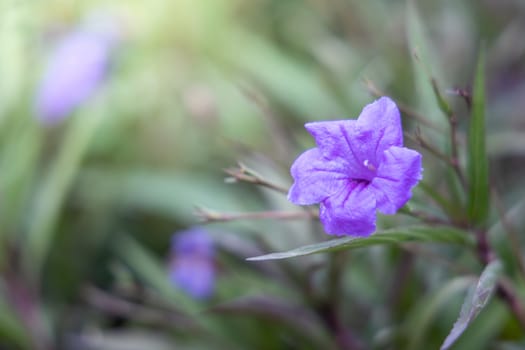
[369, 165]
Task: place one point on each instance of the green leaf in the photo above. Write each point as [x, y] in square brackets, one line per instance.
[151, 272]
[55, 187]
[448, 206]
[476, 300]
[486, 328]
[20, 149]
[442, 103]
[427, 309]
[303, 91]
[293, 318]
[421, 48]
[438, 234]
[12, 331]
[159, 192]
[478, 168]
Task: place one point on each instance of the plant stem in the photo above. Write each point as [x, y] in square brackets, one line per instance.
[425, 217]
[507, 293]
[418, 139]
[207, 215]
[454, 149]
[505, 290]
[330, 310]
[511, 232]
[242, 173]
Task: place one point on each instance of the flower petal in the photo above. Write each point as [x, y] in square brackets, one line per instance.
[352, 211]
[196, 241]
[381, 118]
[192, 266]
[315, 178]
[74, 72]
[399, 171]
[193, 274]
[343, 142]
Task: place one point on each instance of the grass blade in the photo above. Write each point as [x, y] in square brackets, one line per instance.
[478, 167]
[395, 236]
[475, 301]
[55, 187]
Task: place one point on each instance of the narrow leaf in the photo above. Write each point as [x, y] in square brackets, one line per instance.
[152, 273]
[448, 206]
[442, 103]
[394, 236]
[476, 300]
[488, 326]
[421, 48]
[291, 317]
[478, 200]
[427, 309]
[55, 187]
[12, 331]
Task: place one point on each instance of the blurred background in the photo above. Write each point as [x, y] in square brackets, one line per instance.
[118, 118]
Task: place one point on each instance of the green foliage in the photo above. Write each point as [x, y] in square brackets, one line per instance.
[478, 167]
[392, 236]
[476, 300]
[88, 206]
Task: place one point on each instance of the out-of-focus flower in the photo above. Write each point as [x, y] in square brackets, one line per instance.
[192, 266]
[358, 167]
[75, 70]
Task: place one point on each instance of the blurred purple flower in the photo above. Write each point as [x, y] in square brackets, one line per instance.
[74, 71]
[358, 167]
[192, 266]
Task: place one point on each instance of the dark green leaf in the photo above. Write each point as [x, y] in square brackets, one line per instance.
[159, 192]
[294, 317]
[440, 234]
[478, 200]
[429, 307]
[54, 188]
[476, 300]
[151, 272]
[12, 331]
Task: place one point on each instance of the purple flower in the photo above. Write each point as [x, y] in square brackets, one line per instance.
[358, 167]
[192, 267]
[75, 70]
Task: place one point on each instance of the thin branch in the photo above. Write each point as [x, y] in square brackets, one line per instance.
[451, 118]
[409, 112]
[464, 93]
[452, 162]
[512, 234]
[425, 217]
[453, 126]
[507, 293]
[282, 144]
[245, 174]
[115, 305]
[454, 150]
[209, 216]
[418, 139]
